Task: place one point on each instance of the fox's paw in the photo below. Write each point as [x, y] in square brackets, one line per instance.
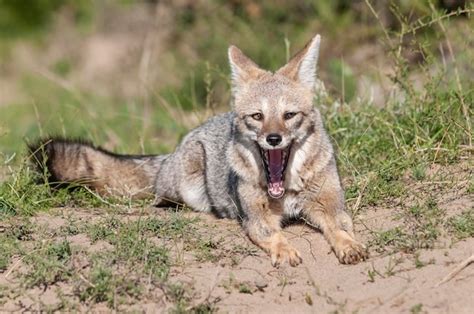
[351, 252]
[283, 252]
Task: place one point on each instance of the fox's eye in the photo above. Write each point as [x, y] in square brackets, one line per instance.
[289, 115]
[257, 116]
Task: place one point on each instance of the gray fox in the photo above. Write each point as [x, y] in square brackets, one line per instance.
[267, 159]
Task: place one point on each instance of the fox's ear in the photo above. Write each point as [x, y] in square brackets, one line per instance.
[242, 68]
[302, 67]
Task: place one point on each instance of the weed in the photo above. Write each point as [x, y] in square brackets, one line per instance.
[389, 237]
[462, 226]
[421, 228]
[3, 294]
[49, 263]
[419, 172]
[72, 228]
[244, 288]
[229, 284]
[21, 195]
[7, 209]
[104, 229]
[206, 250]
[205, 308]
[177, 293]
[470, 188]
[371, 275]
[20, 230]
[106, 286]
[393, 262]
[132, 246]
[9, 247]
[416, 309]
[419, 263]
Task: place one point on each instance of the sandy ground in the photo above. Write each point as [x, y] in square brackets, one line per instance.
[321, 284]
[242, 280]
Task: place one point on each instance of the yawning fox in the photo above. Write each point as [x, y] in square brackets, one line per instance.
[267, 159]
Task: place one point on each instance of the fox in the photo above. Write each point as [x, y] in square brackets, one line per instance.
[267, 160]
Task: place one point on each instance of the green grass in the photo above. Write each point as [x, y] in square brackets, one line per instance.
[105, 285]
[49, 263]
[381, 145]
[103, 230]
[138, 255]
[9, 247]
[462, 226]
[57, 111]
[419, 227]
[22, 195]
[416, 309]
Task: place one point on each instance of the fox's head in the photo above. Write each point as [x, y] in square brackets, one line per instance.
[275, 110]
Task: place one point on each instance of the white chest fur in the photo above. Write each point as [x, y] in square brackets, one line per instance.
[294, 173]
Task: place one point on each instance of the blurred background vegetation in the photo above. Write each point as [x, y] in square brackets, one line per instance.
[134, 76]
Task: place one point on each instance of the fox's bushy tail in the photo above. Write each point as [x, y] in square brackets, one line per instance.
[64, 162]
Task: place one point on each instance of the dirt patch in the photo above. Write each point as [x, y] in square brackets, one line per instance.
[234, 276]
[400, 283]
[330, 286]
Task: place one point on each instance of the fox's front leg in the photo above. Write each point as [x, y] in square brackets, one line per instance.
[327, 212]
[263, 226]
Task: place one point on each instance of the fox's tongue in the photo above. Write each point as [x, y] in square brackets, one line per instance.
[275, 169]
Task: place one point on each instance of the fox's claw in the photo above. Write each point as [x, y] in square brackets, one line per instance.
[285, 253]
[351, 252]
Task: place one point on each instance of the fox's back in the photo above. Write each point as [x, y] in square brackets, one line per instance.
[205, 149]
[216, 135]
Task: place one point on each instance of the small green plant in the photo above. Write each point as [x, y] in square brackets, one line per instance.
[419, 172]
[462, 226]
[72, 228]
[419, 263]
[62, 67]
[49, 263]
[205, 250]
[422, 225]
[105, 229]
[371, 275]
[106, 286]
[391, 268]
[206, 308]
[177, 293]
[9, 247]
[132, 245]
[244, 288]
[416, 309]
[173, 226]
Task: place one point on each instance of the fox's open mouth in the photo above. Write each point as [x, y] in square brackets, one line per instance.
[274, 163]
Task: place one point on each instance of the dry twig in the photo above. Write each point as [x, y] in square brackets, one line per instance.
[456, 271]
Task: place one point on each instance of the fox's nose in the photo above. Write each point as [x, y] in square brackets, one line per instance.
[274, 139]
